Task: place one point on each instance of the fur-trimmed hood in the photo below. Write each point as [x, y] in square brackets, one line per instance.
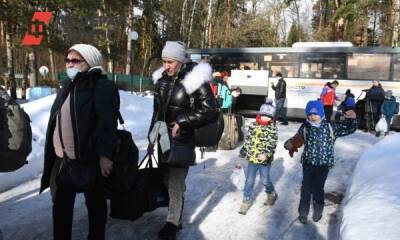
[200, 74]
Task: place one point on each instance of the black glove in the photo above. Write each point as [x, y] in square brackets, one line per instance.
[150, 148]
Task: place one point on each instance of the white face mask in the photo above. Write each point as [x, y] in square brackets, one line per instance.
[71, 72]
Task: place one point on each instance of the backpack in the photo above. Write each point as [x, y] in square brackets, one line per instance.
[15, 134]
[209, 134]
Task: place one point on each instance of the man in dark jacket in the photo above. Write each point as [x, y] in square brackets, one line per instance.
[280, 98]
[82, 130]
[376, 95]
[183, 100]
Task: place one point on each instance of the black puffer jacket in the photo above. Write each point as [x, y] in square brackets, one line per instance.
[280, 89]
[94, 112]
[191, 82]
[376, 94]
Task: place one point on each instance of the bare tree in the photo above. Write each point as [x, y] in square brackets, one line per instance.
[191, 23]
[129, 49]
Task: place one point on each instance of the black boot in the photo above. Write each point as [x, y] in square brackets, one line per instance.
[168, 232]
[317, 213]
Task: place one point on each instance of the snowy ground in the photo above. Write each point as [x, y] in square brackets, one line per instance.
[212, 199]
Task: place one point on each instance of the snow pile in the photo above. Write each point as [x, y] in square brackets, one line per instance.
[133, 110]
[372, 205]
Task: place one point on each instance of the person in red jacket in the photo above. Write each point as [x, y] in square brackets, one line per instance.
[328, 98]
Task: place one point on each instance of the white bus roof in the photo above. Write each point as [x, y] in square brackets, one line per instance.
[322, 44]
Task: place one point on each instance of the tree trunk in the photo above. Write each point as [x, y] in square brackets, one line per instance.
[52, 66]
[182, 29]
[395, 32]
[25, 82]
[228, 23]
[208, 24]
[109, 60]
[129, 40]
[191, 23]
[32, 71]
[10, 63]
[2, 34]
[298, 20]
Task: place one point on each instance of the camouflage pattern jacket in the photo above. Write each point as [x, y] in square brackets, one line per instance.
[261, 139]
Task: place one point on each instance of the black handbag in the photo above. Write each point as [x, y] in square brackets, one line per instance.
[76, 175]
[125, 162]
[148, 193]
[181, 155]
[210, 133]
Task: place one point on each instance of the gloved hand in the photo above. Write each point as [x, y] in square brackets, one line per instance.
[242, 154]
[293, 144]
[150, 148]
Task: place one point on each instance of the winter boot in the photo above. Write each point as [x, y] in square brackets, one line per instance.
[245, 207]
[303, 213]
[317, 213]
[303, 219]
[271, 198]
[168, 232]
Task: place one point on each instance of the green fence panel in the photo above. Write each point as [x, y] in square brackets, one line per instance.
[123, 81]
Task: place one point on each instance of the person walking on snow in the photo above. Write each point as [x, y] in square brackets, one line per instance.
[176, 84]
[280, 98]
[80, 141]
[318, 136]
[259, 149]
[388, 108]
[328, 98]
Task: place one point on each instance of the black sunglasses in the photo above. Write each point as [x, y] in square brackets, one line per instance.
[73, 60]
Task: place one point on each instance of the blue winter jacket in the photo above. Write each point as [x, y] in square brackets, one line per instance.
[226, 95]
[388, 107]
[319, 141]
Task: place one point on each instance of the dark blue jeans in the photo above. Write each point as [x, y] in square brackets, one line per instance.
[313, 183]
[280, 109]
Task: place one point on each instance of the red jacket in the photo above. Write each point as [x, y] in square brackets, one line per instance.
[328, 95]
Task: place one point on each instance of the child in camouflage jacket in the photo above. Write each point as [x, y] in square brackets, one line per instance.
[259, 148]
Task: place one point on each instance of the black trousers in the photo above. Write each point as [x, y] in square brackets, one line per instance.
[314, 178]
[63, 207]
[328, 112]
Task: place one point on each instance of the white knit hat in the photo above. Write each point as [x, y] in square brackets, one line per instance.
[174, 50]
[91, 54]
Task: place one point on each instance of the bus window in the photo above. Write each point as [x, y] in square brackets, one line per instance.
[227, 62]
[368, 66]
[286, 63]
[396, 67]
[322, 65]
[311, 70]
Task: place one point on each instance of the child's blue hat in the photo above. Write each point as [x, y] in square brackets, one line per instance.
[315, 107]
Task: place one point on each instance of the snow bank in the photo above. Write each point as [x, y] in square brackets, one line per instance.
[135, 110]
[372, 205]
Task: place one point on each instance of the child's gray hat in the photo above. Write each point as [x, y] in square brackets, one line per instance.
[267, 109]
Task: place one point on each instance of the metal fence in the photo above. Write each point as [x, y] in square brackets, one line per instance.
[124, 81]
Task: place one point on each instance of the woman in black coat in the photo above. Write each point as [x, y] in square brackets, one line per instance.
[82, 132]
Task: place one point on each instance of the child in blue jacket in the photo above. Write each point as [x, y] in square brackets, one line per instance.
[318, 156]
